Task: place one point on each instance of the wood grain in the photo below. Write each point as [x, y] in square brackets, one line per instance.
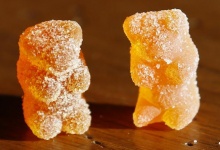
[112, 95]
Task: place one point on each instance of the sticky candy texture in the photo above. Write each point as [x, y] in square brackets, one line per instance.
[53, 75]
[163, 64]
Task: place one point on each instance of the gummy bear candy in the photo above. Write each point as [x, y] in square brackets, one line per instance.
[163, 64]
[53, 75]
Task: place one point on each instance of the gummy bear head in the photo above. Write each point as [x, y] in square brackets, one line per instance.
[157, 34]
[54, 45]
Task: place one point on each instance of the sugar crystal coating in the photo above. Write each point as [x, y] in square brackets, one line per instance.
[53, 75]
[163, 64]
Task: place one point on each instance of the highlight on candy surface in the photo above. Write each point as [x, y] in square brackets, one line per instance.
[163, 64]
[53, 75]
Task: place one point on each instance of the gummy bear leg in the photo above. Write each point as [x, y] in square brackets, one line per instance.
[77, 119]
[145, 113]
[44, 126]
[179, 117]
[77, 122]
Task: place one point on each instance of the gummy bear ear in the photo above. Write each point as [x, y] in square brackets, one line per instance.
[76, 33]
[128, 30]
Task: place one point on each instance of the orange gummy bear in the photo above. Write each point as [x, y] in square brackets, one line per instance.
[53, 75]
[163, 64]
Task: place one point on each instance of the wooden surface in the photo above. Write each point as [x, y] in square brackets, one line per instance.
[112, 95]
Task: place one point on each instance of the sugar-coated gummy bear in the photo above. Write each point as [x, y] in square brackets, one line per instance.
[163, 64]
[53, 75]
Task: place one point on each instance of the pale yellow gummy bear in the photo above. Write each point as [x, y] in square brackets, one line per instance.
[163, 64]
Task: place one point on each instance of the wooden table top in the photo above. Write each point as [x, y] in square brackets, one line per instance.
[112, 94]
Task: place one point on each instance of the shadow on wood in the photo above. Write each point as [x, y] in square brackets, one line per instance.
[111, 116]
[12, 125]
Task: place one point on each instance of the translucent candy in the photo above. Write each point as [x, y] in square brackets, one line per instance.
[53, 75]
[164, 61]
